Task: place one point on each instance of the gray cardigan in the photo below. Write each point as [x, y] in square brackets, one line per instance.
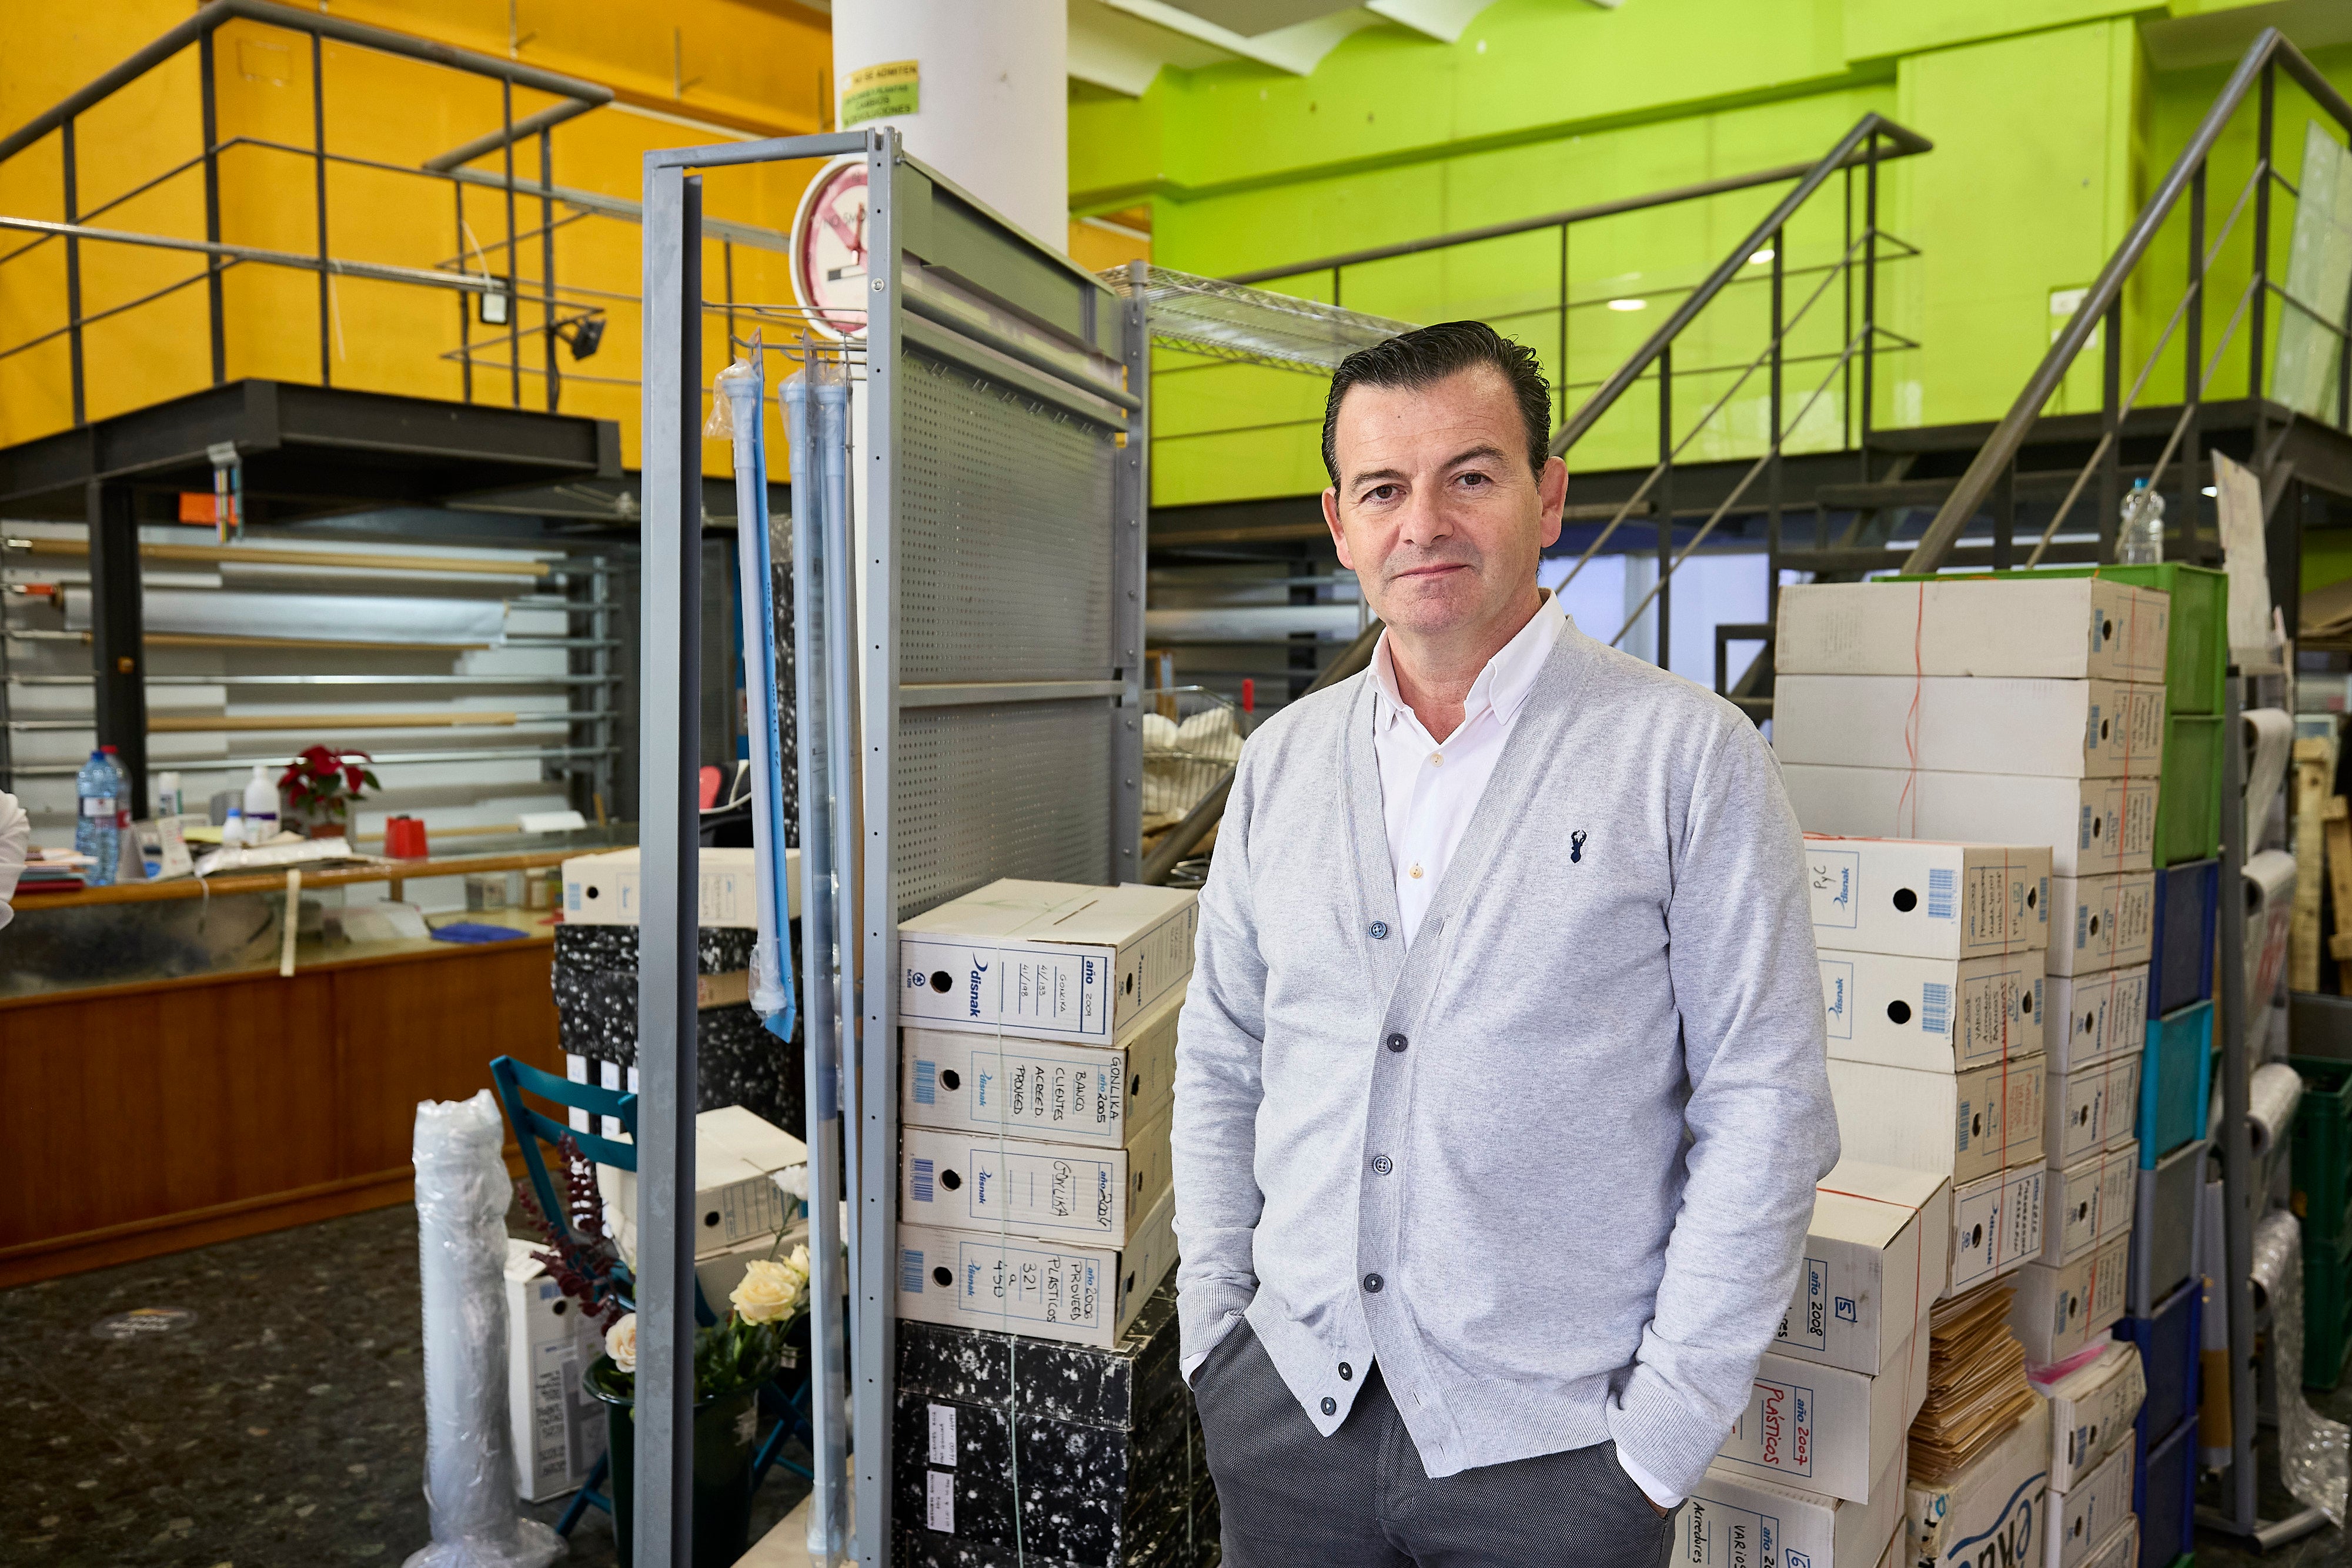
[1552, 1167]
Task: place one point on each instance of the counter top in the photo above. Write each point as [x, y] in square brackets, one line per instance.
[341, 874]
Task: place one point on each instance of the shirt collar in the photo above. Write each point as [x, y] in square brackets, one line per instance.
[1503, 685]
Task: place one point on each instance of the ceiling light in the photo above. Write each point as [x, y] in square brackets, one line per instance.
[2209, 490]
[1629, 305]
[1760, 258]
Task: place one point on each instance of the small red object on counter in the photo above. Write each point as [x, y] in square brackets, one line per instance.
[404, 837]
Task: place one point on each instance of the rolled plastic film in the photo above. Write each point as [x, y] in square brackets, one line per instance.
[2313, 1451]
[462, 1193]
[2277, 1089]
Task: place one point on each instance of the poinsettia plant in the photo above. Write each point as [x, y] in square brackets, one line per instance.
[325, 781]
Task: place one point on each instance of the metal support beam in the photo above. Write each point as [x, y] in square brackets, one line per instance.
[215, 305]
[669, 754]
[1130, 517]
[118, 638]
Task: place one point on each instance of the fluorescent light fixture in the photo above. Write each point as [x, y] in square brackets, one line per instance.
[1629, 305]
[1760, 258]
[2209, 490]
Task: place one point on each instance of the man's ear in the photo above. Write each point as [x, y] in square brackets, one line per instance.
[1339, 535]
[1552, 492]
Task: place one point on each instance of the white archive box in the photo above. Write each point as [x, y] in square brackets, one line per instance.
[2080, 628]
[1992, 1513]
[557, 1430]
[2094, 1017]
[1997, 1225]
[1874, 1261]
[1074, 1291]
[1959, 724]
[1897, 1546]
[1053, 960]
[2058, 1311]
[602, 889]
[1926, 899]
[1825, 1429]
[1043, 1089]
[2091, 1200]
[2082, 1519]
[1051, 1191]
[1960, 1125]
[2091, 1412]
[1940, 1015]
[2120, 1549]
[2092, 1108]
[1734, 1520]
[2105, 922]
[749, 1177]
[2092, 825]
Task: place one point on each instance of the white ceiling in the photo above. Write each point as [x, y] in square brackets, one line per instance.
[1120, 44]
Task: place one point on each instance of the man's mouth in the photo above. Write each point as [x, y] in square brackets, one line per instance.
[1437, 569]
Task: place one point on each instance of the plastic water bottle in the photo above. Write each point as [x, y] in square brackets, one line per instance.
[2141, 541]
[99, 786]
[233, 829]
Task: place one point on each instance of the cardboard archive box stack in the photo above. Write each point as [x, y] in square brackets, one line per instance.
[1814, 1470]
[1035, 1206]
[1931, 959]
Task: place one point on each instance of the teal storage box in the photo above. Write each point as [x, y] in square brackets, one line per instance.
[2175, 1082]
[2188, 794]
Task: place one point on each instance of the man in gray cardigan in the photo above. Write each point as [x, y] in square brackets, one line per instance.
[1500, 1092]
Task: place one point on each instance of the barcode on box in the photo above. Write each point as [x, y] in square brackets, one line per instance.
[927, 1084]
[910, 1272]
[1936, 1006]
[921, 1180]
[1960, 1131]
[1943, 889]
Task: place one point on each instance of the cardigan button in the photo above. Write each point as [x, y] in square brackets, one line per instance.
[1396, 1042]
[1330, 1406]
[1373, 1283]
[1380, 930]
[1381, 1165]
[1345, 1371]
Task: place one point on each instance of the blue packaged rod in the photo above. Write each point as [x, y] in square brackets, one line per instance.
[772, 994]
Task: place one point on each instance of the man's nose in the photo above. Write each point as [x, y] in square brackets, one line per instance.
[1423, 521]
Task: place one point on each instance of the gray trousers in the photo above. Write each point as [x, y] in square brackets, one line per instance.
[1291, 1497]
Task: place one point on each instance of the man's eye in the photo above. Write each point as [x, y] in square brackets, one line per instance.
[1474, 480]
[1382, 493]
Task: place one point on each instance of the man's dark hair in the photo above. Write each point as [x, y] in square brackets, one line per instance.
[1427, 355]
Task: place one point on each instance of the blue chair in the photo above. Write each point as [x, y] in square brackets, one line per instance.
[789, 1405]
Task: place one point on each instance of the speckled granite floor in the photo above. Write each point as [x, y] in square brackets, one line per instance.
[283, 1427]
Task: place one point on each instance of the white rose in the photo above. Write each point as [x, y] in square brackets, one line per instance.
[771, 1291]
[621, 1343]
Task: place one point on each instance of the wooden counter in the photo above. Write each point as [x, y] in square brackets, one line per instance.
[148, 1118]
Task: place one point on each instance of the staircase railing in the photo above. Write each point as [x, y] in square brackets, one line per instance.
[1875, 140]
[2256, 77]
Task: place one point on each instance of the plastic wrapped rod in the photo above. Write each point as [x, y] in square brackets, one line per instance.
[741, 392]
[2313, 1451]
[462, 1193]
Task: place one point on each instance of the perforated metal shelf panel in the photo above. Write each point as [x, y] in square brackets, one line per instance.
[1016, 790]
[1004, 537]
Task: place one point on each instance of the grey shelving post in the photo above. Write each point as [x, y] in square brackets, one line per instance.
[1000, 485]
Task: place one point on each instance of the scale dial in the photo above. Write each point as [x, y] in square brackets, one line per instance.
[829, 275]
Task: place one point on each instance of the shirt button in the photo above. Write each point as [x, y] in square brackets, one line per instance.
[1330, 1406]
[1373, 1283]
[1380, 930]
[1416, 873]
[1396, 1042]
[1437, 760]
[1380, 1165]
[1345, 1371]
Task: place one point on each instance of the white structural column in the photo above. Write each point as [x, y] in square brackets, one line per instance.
[992, 95]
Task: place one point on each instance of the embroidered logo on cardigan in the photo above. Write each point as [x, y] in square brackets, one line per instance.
[1576, 845]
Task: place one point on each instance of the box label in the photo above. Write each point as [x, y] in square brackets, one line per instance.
[1837, 996]
[942, 1432]
[1067, 992]
[1035, 1285]
[938, 1500]
[1045, 1189]
[1775, 1432]
[1808, 1322]
[1833, 877]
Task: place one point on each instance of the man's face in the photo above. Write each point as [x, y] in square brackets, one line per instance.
[1436, 510]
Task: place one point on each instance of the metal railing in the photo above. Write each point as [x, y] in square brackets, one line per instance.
[2101, 314]
[1860, 148]
[564, 309]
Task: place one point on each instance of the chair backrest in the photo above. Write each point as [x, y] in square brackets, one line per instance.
[511, 1078]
